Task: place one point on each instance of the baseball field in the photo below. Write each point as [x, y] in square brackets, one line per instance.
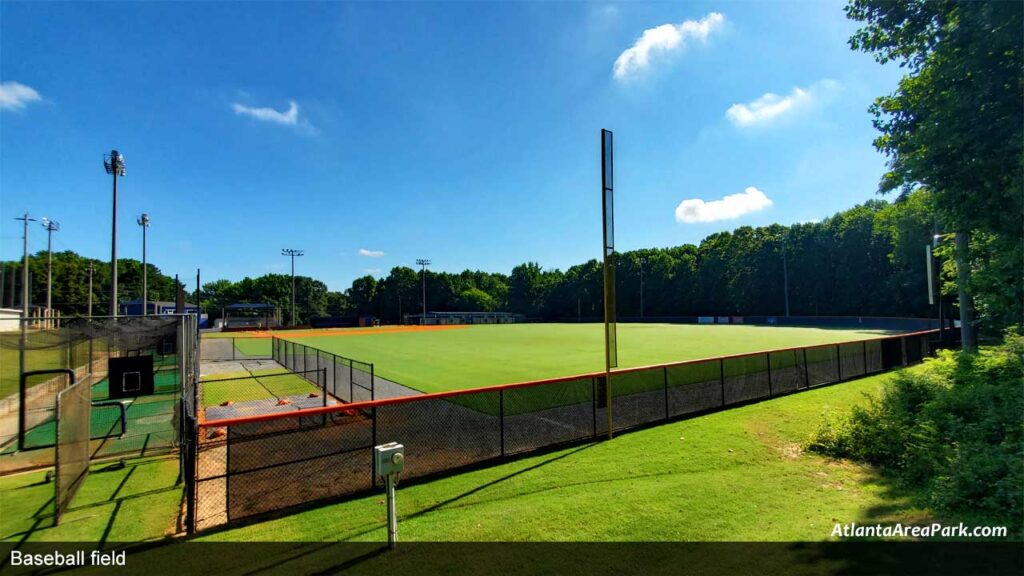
[441, 358]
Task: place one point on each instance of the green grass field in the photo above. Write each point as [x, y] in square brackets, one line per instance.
[256, 385]
[473, 356]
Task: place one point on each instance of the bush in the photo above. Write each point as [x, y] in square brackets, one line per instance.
[951, 427]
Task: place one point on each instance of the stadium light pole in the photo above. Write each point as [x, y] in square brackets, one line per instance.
[423, 262]
[292, 253]
[144, 222]
[114, 164]
[643, 262]
[50, 227]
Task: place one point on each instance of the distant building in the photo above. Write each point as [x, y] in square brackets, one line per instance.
[441, 318]
[158, 308]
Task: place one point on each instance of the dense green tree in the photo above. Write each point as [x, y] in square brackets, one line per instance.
[955, 126]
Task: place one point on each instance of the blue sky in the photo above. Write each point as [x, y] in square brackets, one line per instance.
[468, 133]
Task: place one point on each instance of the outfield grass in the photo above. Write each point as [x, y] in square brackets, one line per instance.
[737, 475]
[256, 385]
[473, 356]
[135, 503]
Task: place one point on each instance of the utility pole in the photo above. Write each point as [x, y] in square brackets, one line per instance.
[24, 267]
[89, 313]
[144, 222]
[292, 253]
[785, 277]
[50, 227]
[114, 165]
[424, 263]
[643, 262]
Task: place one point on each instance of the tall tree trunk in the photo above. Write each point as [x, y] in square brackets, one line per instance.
[968, 333]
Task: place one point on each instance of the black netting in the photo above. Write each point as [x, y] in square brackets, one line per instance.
[787, 371]
[540, 416]
[694, 387]
[73, 411]
[852, 360]
[639, 397]
[873, 350]
[746, 378]
[822, 365]
[443, 433]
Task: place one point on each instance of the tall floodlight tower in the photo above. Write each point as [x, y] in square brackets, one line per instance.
[608, 252]
[50, 227]
[291, 252]
[423, 262]
[114, 164]
[144, 222]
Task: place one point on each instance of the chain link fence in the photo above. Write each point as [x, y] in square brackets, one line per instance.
[74, 406]
[252, 466]
[347, 379]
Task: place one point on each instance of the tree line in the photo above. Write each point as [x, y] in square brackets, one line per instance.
[869, 260]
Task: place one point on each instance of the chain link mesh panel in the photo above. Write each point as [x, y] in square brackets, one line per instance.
[787, 371]
[745, 378]
[541, 416]
[72, 454]
[694, 387]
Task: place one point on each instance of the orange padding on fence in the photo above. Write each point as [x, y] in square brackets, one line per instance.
[495, 388]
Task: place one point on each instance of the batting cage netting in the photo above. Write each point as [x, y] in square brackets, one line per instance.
[137, 370]
[269, 462]
[74, 407]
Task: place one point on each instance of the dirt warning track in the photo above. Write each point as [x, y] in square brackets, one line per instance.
[347, 331]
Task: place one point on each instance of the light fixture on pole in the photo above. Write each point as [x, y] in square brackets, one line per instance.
[144, 222]
[114, 164]
[292, 253]
[51, 227]
[424, 263]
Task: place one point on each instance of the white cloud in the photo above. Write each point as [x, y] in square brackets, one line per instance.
[14, 96]
[288, 118]
[664, 38]
[770, 106]
[371, 253]
[732, 206]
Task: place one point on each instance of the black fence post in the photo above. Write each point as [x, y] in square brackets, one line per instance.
[721, 377]
[864, 345]
[501, 419]
[593, 402]
[233, 348]
[373, 382]
[807, 371]
[839, 363]
[768, 360]
[323, 389]
[351, 380]
[664, 376]
[373, 442]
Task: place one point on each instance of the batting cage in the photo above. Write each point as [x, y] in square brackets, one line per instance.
[136, 371]
[248, 466]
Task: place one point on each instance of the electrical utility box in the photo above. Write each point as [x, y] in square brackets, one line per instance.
[389, 458]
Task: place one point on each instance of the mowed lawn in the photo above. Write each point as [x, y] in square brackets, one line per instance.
[473, 356]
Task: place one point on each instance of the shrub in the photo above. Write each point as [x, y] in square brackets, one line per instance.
[951, 427]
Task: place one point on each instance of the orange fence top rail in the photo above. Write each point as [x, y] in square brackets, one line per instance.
[225, 422]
